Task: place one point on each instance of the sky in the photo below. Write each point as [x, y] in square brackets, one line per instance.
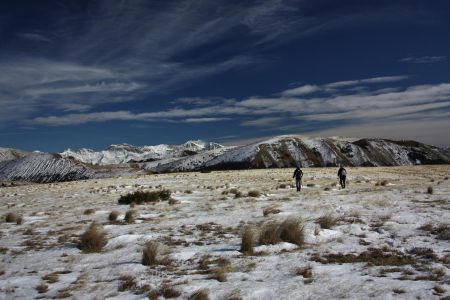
[87, 74]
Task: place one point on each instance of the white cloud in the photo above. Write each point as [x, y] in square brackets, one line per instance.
[424, 59]
[301, 90]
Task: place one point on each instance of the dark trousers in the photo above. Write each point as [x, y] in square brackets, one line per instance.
[342, 181]
[298, 184]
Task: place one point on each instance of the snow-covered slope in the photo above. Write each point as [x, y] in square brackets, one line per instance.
[10, 154]
[43, 167]
[124, 153]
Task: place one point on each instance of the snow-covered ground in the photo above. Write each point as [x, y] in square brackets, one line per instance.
[380, 252]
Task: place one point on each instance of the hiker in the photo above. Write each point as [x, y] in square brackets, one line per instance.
[342, 174]
[298, 174]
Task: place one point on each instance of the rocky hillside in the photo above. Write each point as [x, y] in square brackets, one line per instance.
[289, 151]
[125, 153]
[43, 168]
[10, 154]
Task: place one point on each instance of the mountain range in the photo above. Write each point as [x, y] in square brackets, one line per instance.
[278, 152]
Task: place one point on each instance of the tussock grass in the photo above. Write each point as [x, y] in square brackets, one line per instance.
[42, 288]
[305, 271]
[327, 221]
[113, 216]
[199, 295]
[127, 283]
[93, 239]
[291, 230]
[248, 241]
[89, 211]
[270, 234]
[150, 253]
[270, 211]
[442, 231]
[140, 197]
[430, 190]
[168, 291]
[254, 193]
[129, 216]
[11, 217]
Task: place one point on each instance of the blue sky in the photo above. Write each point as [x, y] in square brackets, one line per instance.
[94, 73]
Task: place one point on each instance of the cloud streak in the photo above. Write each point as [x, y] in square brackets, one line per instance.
[424, 59]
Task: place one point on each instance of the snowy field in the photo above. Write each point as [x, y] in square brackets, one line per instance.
[386, 236]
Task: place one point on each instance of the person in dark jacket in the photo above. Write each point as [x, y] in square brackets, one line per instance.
[298, 174]
[342, 174]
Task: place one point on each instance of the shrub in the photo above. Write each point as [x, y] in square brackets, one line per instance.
[269, 234]
[129, 216]
[248, 241]
[327, 221]
[291, 230]
[254, 193]
[93, 239]
[88, 211]
[113, 215]
[149, 253]
[199, 295]
[430, 190]
[11, 217]
[140, 197]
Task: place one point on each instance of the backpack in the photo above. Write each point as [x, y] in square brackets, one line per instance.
[343, 172]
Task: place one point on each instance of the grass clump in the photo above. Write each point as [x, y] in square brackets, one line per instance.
[291, 231]
[199, 295]
[327, 221]
[129, 216]
[113, 216]
[93, 239]
[42, 288]
[430, 190]
[270, 210]
[11, 217]
[248, 241]
[254, 193]
[270, 234]
[149, 253]
[89, 211]
[140, 197]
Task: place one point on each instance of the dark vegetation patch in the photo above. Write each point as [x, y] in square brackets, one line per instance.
[93, 239]
[327, 221]
[145, 197]
[442, 231]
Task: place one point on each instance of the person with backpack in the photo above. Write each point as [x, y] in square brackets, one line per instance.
[342, 174]
[298, 174]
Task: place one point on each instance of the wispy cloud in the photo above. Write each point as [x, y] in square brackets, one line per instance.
[424, 59]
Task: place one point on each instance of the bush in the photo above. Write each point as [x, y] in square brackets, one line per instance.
[113, 215]
[248, 241]
[93, 239]
[291, 230]
[129, 216]
[254, 193]
[149, 253]
[144, 197]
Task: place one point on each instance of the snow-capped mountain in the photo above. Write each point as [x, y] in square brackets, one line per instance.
[43, 167]
[290, 151]
[125, 153]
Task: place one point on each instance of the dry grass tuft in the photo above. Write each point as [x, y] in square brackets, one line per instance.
[219, 274]
[127, 283]
[42, 288]
[305, 271]
[113, 216]
[150, 253]
[129, 216]
[291, 230]
[270, 211]
[442, 231]
[168, 291]
[248, 241]
[398, 291]
[270, 234]
[199, 295]
[93, 239]
[89, 211]
[11, 217]
[173, 201]
[327, 221]
[254, 194]
[430, 190]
